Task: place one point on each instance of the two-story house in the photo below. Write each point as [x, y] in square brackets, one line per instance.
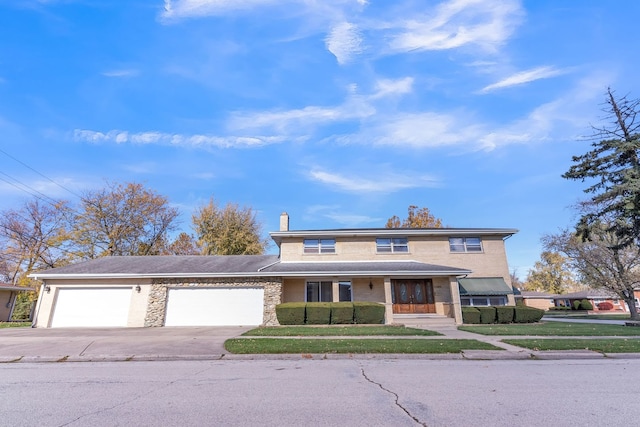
[410, 271]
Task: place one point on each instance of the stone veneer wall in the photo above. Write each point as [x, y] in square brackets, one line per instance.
[157, 305]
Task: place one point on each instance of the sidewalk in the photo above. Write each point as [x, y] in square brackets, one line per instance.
[207, 343]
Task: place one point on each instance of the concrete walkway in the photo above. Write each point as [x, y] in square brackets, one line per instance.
[207, 343]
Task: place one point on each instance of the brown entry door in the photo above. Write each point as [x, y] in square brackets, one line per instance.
[413, 296]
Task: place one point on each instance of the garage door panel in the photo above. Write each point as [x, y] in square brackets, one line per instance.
[214, 306]
[91, 307]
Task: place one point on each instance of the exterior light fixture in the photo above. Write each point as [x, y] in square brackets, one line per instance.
[138, 289]
[370, 285]
[47, 289]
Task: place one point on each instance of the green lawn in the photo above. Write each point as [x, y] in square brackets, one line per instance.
[617, 345]
[15, 324]
[569, 315]
[343, 330]
[374, 345]
[553, 328]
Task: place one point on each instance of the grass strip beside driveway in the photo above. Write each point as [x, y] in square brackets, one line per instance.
[554, 328]
[342, 330]
[374, 345]
[617, 345]
[15, 324]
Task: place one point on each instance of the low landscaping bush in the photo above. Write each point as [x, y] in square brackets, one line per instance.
[559, 308]
[585, 304]
[504, 314]
[605, 306]
[527, 314]
[576, 305]
[470, 315]
[368, 313]
[291, 313]
[341, 313]
[318, 313]
[487, 314]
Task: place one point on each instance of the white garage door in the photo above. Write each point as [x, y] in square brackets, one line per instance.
[90, 307]
[214, 306]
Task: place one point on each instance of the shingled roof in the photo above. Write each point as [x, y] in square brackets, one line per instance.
[235, 266]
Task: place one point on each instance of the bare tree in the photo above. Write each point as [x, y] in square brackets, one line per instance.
[602, 261]
[124, 219]
[33, 237]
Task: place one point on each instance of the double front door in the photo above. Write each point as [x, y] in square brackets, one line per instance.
[413, 296]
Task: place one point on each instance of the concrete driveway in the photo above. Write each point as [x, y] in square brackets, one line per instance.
[115, 343]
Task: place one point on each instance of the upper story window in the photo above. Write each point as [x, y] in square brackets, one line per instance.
[465, 244]
[319, 246]
[397, 244]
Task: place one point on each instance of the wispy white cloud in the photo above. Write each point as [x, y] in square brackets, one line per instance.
[457, 23]
[381, 183]
[344, 41]
[523, 77]
[174, 139]
[387, 87]
[176, 9]
[121, 73]
[300, 120]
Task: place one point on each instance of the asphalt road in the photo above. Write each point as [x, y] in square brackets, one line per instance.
[356, 392]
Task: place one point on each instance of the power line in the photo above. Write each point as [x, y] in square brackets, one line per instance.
[39, 173]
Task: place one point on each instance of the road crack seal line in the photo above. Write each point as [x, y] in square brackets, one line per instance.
[85, 349]
[397, 398]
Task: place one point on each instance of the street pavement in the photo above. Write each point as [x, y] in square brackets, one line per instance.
[207, 343]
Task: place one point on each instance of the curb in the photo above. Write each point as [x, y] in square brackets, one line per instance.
[472, 355]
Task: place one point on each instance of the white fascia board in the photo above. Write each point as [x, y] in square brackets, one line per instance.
[404, 232]
[261, 274]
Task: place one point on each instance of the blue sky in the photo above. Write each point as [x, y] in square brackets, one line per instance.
[340, 112]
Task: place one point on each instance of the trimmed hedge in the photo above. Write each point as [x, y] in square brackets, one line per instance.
[585, 304]
[291, 313]
[325, 313]
[318, 313]
[527, 315]
[576, 305]
[368, 313]
[501, 314]
[341, 313]
[470, 315]
[487, 314]
[504, 314]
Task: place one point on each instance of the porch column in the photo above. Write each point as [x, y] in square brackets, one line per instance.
[455, 300]
[388, 302]
[511, 299]
[335, 290]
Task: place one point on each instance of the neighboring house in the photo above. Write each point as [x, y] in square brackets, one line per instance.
[595, 297]
[541, 300]
[8, 294]
[410, 271]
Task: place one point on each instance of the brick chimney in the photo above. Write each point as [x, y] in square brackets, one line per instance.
[284, 221]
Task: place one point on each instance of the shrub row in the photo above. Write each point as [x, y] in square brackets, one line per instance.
[329, 313]
[501, 314]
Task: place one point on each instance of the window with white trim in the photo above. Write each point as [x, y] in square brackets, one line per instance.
[465, 244]
[320, 291]
[482, 300]
[392, 245]
[319, 246]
